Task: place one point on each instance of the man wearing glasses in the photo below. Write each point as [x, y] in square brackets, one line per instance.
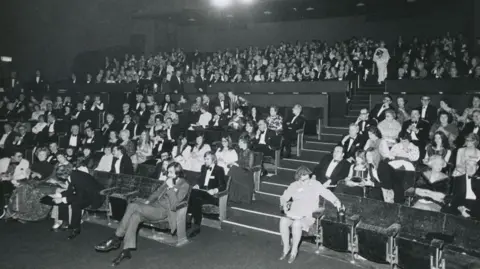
[378, 112]
[427, 112]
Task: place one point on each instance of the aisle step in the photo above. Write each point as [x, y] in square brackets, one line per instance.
[311, 155]
[319, 145]
[267, 197]
[276, 184]
[259, 214]
[294, 164]
[334, 130]
[331, 137]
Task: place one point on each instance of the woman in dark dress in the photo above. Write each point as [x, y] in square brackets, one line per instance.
[432, 186]
[241, 174]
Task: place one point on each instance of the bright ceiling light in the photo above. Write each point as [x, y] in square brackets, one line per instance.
[221, 3]
[246, 1]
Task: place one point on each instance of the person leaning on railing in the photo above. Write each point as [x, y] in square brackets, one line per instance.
[299, 201]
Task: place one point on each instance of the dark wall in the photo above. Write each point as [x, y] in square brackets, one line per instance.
[335, 29]
[48, 34]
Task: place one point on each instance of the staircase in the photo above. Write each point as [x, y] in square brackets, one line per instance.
[263, 215]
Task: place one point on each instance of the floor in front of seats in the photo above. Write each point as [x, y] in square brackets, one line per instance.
[33, 246]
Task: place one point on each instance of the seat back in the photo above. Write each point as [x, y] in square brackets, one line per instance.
[145, 170]
[350, 202]
[378, 213]
[105, 178]
[419, 222]
[126, 183]
[147, 186]
[466, 232]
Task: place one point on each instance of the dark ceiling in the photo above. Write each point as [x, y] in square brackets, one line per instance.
[287, 10]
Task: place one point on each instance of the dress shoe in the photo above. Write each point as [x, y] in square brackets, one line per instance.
[195, 230]
[108, 245]
[61, 228]
[125, 254]
[2, 213]
[73, 234]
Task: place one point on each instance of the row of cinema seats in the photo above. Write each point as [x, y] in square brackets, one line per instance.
[398, 235]
[129, 188]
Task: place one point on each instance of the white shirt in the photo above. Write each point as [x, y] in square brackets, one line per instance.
[294, 118]
[261, 138]
[222, 104]
[159, 146]
[50, 127]
[204, 119]
[4, 137]
[424, 112]
[381, 110]
[169, 133]
[330, 168]
[105, 163]
[216, 120]
[89, 140]
[73, 141]
[208, 175]
[125, 126]
[117, 165]
[38, 127]
[469, 194]
[475, 130]
[413, 134]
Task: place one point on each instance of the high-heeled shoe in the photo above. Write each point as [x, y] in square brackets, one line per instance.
[284, 255]
[124, 254]
[292, 257]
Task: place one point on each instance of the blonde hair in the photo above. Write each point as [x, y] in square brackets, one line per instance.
[301, 171]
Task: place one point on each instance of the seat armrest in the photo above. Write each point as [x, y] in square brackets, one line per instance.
[410, 192]
[354, 219]
[221, 194]
[437, 243]
[318, 213]
[180, 206]
[130, 194]
[300, 131]
[108, 191]
[393, 230]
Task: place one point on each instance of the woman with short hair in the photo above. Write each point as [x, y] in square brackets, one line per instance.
[299, 201]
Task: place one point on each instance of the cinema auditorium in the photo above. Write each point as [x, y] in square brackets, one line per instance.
[240, 134]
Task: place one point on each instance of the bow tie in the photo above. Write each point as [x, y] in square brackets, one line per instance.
[160, 142]
[335, 161]
[210, 168]
[262, 132]
[74, 135]
[14, 163]
[414, 122]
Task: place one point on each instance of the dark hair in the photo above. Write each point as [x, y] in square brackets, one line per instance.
[374, 130]
[121, 149]
[404, 136]
[179, 173]
[229, 140]
[203, 141]
[444, 138]
[442, 112]
[245, 139]
[473, 97]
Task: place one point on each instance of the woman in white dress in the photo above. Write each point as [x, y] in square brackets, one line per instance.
[194, 156]
[381, 57]
[226, 154]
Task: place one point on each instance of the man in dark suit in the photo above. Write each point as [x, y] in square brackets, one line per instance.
[93, 141]
[157, 207]
[471, 127]
[138, 101]
[292, 125]
[23, 139]
[378, 112]
[121, 164]
[73, 139]
[162, 144]
[176, 83]
[6, 140]
[110, 125]
[52, 129]
[143, 114]
[210, 182]
[38, 85]
[466, 192]
[263, 139]
[219, 120]
[352, 142]
[83, 191]
[332, 168]
[417, 129]
[128, 124]
[428, 112]
[201, 82]
[81, 116]
[89, 79]
[172, 132]
[222, 102]
[363, 122]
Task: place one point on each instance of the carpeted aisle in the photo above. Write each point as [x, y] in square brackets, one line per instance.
[33, 246]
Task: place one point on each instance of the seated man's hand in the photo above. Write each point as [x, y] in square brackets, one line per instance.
[464, 211]
[196, 187]
[212, 191]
